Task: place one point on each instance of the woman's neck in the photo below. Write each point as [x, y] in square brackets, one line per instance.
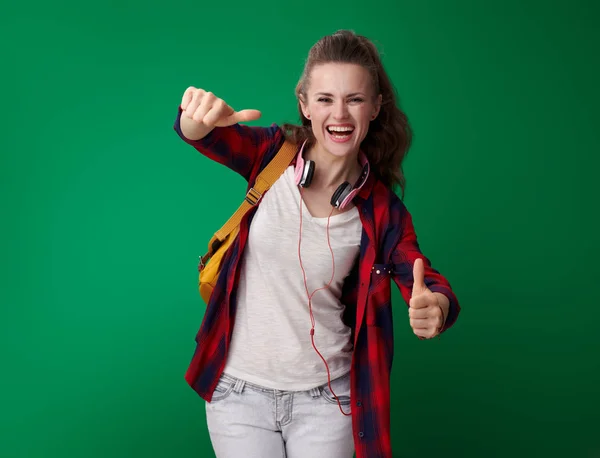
[331, 171]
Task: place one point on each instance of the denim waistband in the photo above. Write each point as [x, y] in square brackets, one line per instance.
[239, 385]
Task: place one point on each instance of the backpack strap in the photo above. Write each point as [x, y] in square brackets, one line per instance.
[263, 182]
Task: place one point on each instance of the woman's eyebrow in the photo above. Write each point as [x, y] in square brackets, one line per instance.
[327, 94]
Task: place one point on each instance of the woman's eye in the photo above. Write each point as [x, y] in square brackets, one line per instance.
[328, 100]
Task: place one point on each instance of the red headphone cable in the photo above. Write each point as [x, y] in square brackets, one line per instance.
[310, 296]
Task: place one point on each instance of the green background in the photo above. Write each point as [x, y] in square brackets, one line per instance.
[105, 210]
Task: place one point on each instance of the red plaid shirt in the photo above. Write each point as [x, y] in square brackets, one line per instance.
[388, 250]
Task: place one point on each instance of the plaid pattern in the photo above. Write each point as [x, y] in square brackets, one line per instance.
[388, 251]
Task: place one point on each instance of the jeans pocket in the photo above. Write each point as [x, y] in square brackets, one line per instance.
[223, 389]
[341, 388]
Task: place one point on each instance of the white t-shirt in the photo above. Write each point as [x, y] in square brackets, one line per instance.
[271, 344]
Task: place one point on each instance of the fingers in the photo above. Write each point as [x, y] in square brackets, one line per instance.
[201, 105]
[191, 101]
[434, 322]
[216, 109]
[423, 300]
[425, 333]
[425, 321]
[421, 313]
[430, 310]
[206, 108]
[420, 324]
[188, 95]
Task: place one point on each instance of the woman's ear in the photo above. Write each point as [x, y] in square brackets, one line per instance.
[303, 106]
[377, 107]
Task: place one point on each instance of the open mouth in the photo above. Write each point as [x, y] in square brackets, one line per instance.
[340, 133]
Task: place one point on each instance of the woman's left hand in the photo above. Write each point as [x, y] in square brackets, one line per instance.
[427, 310]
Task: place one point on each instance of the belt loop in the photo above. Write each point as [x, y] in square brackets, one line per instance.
[239, 386]
[315, 392]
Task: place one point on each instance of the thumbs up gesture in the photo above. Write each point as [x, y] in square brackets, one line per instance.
[207, 109]
[426, 309]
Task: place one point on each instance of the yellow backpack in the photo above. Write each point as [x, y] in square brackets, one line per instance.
[210, 264]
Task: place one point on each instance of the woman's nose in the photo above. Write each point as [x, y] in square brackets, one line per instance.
[340, 110]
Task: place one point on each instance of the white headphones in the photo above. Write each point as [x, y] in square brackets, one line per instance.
[345, 192]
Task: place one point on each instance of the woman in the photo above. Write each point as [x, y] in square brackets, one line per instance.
[294, 353]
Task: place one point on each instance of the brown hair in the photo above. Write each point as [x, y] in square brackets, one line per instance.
[389, 137]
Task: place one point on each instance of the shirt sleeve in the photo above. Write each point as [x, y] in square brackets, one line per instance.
[238, 147]
[404, 255]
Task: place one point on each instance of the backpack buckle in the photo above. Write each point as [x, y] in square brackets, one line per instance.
[253, 196]
[202, 262]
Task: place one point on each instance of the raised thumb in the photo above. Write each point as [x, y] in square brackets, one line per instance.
[419, 277]
[242, 116]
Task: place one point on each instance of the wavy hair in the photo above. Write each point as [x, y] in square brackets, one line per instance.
[389, 137]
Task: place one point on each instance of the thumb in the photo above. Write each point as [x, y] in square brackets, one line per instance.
[419, 278]
[240, 116]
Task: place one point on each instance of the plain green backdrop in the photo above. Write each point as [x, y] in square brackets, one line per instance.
[105, 211]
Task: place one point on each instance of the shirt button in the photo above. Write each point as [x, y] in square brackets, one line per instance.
[359, 404]
[361, 434]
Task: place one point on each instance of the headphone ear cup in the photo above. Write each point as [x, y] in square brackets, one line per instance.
[340, 194]
[307, 174]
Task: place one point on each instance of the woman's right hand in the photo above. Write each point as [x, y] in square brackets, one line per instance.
[208, 111]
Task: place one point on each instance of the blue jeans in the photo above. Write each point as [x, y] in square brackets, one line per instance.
[250, 421]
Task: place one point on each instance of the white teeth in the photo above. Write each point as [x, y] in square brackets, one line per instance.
[340, 129]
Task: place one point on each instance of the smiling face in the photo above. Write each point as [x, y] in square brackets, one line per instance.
[340, 104]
